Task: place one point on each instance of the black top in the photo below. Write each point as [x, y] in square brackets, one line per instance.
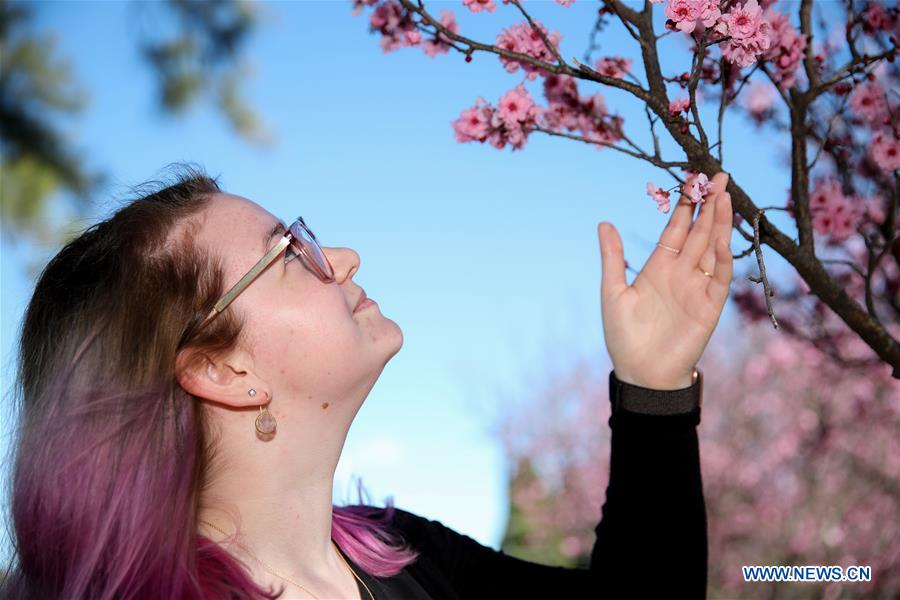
[651, 538]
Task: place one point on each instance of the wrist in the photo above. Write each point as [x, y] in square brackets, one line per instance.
[661, 384]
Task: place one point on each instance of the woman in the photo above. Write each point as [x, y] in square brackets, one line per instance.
[189, 369]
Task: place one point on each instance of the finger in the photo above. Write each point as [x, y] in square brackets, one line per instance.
[676, 230]
[613, 281]
[698, 237]
[720, 284]
[723, 222]
[719, 182]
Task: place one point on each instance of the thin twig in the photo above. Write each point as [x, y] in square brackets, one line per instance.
[767, 291]
[831, 121]
[643, 156]
[696, 68]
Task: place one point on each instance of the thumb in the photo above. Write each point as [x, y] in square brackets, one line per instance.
[613, 259]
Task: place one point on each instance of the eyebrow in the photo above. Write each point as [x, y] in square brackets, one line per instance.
[278, 229]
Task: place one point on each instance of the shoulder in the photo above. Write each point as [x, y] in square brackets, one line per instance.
[421, 532]
[417, 525]
[410, 524]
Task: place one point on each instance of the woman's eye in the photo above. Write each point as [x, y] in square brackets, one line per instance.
[289, 254]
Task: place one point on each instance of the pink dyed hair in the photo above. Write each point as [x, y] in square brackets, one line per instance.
[110, 453]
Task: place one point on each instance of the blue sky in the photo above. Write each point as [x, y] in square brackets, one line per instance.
[488, 260]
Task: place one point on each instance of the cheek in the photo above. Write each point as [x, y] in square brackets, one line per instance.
[309, 339]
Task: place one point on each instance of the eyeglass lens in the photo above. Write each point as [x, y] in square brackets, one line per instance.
[310, 249]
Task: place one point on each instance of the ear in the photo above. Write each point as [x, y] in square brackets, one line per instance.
[225, 380]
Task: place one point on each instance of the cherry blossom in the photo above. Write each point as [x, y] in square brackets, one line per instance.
[477, 6]
[698, 185]
[516, 106]
[877, 17]
[439, 45]
[522, 38]
[748, 32]
[886, 150]
[567, 110]
[676, 107]
[759, 100]
[510, 123]
[868, 102]
[691, 14]
[834, 214]
[786, 49]
[660, 195]
[613, 66]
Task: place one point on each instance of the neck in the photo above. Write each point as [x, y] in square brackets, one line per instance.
[278, 494]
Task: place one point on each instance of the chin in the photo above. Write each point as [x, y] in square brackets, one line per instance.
[396, 340]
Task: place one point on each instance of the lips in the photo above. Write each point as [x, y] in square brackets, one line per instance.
[362, 298]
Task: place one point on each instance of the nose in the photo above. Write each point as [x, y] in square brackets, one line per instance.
[344, 261]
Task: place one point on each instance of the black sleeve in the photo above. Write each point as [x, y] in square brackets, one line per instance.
[651, 539]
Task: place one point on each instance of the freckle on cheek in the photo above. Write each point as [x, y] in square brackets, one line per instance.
[324, 405]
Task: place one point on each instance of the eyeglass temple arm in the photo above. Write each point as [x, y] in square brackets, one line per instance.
[237, 288]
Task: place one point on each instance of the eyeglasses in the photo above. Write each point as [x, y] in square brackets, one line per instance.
[299, 241]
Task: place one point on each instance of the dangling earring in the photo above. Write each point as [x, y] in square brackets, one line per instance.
[265, 422]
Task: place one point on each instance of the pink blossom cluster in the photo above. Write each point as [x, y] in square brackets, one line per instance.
[398, 29]
[759, 99]
[511, 122]
[438, 45]
[869, 103]
[359, 5]
[787, 48]
[567, 110]
[876, 17]
[676, 107]
[749, 34]
[613, 66]
[833, 213]
[697, 186]
[689, 15]
[695, 189]
[476, 6]
[522, 38]
[659, 195]
[395, 24]
[885, 150]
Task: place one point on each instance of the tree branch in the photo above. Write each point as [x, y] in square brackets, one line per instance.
[588, 74]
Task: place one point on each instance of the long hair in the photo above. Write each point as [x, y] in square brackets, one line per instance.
[110, 452]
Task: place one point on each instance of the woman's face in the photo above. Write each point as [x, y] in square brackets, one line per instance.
[303, 334]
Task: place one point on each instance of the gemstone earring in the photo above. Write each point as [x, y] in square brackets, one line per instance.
[265, 422]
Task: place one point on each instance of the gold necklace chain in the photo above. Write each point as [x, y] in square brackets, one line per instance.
[288, 579]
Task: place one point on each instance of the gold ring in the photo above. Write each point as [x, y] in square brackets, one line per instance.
[669, 248]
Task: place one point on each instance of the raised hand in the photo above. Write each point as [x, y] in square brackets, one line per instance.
[657, 328]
